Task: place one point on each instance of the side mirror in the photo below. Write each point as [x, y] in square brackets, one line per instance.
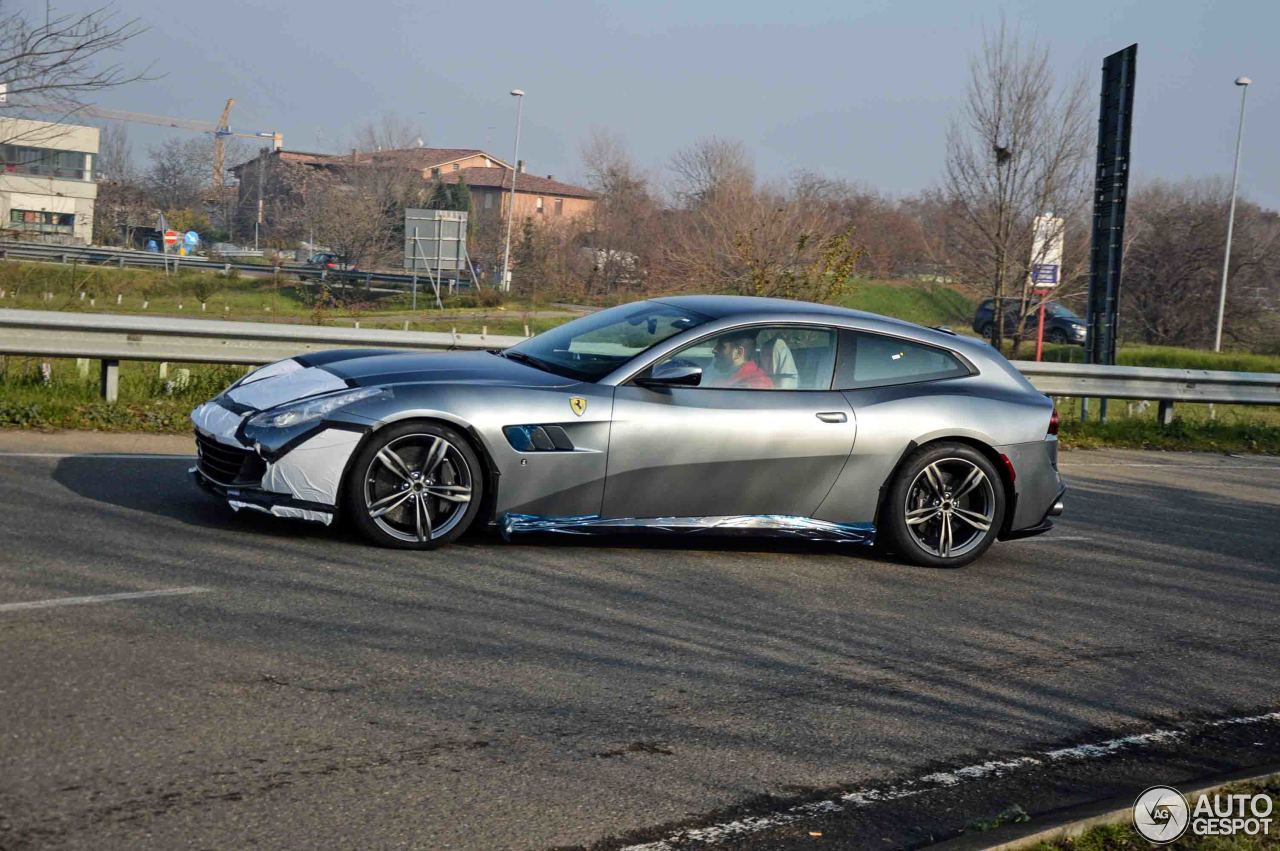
[673, 374]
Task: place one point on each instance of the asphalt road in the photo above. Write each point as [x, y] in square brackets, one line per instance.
[305, 690]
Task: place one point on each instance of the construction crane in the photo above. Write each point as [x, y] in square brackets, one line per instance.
[220, 131]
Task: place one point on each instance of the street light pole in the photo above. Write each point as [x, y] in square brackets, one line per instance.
[1243, 83]
[505, 284]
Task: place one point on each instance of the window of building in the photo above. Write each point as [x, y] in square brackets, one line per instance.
[875, 360]
[42, 221]
[435, 172]
[43, 162]
[488, 200]
[457, 166]
[539, 207]
[781, 357]
[559, 206]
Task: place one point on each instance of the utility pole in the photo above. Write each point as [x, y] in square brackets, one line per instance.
[1243, 83]
[505, 283]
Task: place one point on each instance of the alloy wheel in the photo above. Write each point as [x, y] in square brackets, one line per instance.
[417, 487]
[950, 507]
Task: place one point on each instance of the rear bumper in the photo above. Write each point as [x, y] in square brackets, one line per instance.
[1038, 488]
[1040, 528]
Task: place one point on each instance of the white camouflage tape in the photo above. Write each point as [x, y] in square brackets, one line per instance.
[313, 469]
[216, 421]
[286, 387]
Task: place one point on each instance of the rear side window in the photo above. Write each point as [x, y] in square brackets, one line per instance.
[875, 360]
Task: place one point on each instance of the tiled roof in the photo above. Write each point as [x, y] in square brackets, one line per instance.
[409, 157]
[531, 183]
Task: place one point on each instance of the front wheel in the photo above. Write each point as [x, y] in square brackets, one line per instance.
[1056, 336]
[945, 506]
[414, 486]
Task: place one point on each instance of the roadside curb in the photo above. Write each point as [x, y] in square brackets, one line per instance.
[1073, 821]
[77, 442]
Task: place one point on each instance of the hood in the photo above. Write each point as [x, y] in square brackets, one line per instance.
[324, 372]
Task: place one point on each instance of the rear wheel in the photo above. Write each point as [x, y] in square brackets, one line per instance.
[414, 486]
[945, 506]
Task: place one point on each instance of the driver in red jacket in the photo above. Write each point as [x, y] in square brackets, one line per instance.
[734, 365]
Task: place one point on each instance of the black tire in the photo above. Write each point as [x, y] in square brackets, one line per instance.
[986, 330]
[423, 482]
[1055, 335]
[916, 510]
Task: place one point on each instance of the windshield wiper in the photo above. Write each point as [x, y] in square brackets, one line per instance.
[536, 363]
[527, 360]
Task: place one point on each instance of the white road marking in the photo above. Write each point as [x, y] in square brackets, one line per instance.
[700, 836]
[142, 456]
[99, 598]
[1173, 466]
[1049, 539]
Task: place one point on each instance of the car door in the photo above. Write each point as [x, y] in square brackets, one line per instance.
[715, 450]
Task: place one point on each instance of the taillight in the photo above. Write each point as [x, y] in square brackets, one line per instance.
[329, 266]
[1053, 422]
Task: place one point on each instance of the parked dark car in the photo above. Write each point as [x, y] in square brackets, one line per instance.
[1061, 324]
[326, 263]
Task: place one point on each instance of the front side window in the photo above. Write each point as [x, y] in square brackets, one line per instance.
[775, 357]
[590, 348]
[876, 360]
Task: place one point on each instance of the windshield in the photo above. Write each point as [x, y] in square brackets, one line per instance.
[590, 348]
[1055, 309]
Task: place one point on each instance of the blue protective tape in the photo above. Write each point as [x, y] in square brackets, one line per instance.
[780, 525]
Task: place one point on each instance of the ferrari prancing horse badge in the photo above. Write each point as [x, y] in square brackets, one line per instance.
[578, 404]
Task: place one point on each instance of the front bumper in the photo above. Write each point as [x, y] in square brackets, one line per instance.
[255, 499]
[301, 479]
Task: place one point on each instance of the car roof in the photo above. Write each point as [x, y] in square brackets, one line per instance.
[720, 306]
[729, 306]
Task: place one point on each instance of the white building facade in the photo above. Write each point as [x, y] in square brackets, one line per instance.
[47, 180]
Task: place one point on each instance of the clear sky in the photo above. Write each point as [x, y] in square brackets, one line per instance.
[859, 90]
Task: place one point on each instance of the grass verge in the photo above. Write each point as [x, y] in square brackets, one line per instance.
[1181, 435]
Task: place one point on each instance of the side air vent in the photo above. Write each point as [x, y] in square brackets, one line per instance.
[538, 438]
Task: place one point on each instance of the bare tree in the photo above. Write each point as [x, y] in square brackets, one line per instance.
[53, 67]
[1173, 266]
[115, 155]
[178, 171]
[712, 169]
[620, 244]
[390, 132]
[1019, 149]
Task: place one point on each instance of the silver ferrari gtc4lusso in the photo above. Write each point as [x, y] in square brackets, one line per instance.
[697, 415]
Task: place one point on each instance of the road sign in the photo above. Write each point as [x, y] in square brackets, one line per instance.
[1046, 251]
[191, 239]
[4, 93]
[1044, 274]
[171, 237]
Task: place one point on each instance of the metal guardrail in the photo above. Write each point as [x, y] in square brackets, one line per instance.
[122, 257]
[113, 338]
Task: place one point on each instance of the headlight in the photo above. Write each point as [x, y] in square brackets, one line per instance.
[308, 410]
[1078, 330]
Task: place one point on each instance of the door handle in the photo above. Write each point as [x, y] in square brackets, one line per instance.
[832, 417]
